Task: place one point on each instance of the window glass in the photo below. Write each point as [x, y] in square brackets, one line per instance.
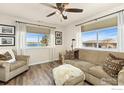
[100, 38]
[36, 39]
[89, 39]
[107, 37]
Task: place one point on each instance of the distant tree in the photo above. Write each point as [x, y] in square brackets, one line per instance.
[45, 40]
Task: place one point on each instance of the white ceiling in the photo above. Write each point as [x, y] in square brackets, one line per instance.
[38, 11]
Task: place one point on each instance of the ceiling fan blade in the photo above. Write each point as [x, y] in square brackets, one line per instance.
[51, 14]
[49, 5]
[65, 17]
[58, 5]
[65, 3]
[76, 10]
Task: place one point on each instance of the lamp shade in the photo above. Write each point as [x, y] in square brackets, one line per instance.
[73, 39]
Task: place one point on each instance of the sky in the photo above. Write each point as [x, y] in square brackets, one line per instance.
[33, 37]
[109, 33]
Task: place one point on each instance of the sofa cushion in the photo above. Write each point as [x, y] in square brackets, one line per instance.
[83, 65]
[16, 65]
[97, 56]
[98, 72]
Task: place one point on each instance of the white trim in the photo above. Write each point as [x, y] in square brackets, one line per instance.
[38, 47]
[41, 62]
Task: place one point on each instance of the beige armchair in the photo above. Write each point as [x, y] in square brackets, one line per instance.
[10, 70]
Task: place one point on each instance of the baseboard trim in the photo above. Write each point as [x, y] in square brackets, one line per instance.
[41, 62]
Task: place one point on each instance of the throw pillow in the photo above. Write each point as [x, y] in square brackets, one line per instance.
[116, 58]
[71, 55]
[3, 51]
[67, 55]
[112, 66]
[2, 57]
[6, 56]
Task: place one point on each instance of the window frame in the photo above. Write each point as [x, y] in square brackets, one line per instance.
[30, 47]
[97, 48]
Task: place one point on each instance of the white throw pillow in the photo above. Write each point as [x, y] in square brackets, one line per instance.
[3, 51]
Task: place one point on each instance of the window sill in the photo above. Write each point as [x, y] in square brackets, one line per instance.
[38, 47]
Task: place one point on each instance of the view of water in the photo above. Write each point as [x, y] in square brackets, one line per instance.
[32, 45]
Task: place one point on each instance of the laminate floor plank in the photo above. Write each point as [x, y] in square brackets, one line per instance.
[40, 74]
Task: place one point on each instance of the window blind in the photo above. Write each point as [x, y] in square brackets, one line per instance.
[32, 29]
[109, 22]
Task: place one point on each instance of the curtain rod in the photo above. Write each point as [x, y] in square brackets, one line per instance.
[100, 17]
[36, 24]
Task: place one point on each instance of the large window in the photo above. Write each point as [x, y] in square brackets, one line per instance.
[36, 40]
[100, 34]
[102, 38]
[37, 37]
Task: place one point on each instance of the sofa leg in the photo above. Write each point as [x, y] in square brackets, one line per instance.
[3, 83]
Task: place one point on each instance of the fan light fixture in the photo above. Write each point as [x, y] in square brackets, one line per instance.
[63, 9]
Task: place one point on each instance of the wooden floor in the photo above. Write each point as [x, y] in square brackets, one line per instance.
[40, 74]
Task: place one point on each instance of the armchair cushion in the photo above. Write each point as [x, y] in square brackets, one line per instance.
[16, 65]
[22, 57]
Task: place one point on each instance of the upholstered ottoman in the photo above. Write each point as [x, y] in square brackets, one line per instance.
[67, 74]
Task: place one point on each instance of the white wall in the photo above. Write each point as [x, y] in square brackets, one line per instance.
[37, 55]
[8, 21]
[43, 55]
[72, 31]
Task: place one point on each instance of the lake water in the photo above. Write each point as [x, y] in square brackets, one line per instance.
[32, 45]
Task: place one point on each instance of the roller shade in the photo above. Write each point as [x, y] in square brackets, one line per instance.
[32, 29]
[109, 22]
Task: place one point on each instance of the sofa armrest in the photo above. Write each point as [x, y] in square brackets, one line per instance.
[121, 77]
[4, 64]
[22, 58]
[4, 71]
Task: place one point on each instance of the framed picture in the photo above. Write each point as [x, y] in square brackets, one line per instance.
[7, 41]
[58, 41]
[7, 30]
[58, 38]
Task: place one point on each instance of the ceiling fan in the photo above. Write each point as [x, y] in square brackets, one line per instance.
[62, 8]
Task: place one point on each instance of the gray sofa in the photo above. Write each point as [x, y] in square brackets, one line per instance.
[10, 70]
[91, 62]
